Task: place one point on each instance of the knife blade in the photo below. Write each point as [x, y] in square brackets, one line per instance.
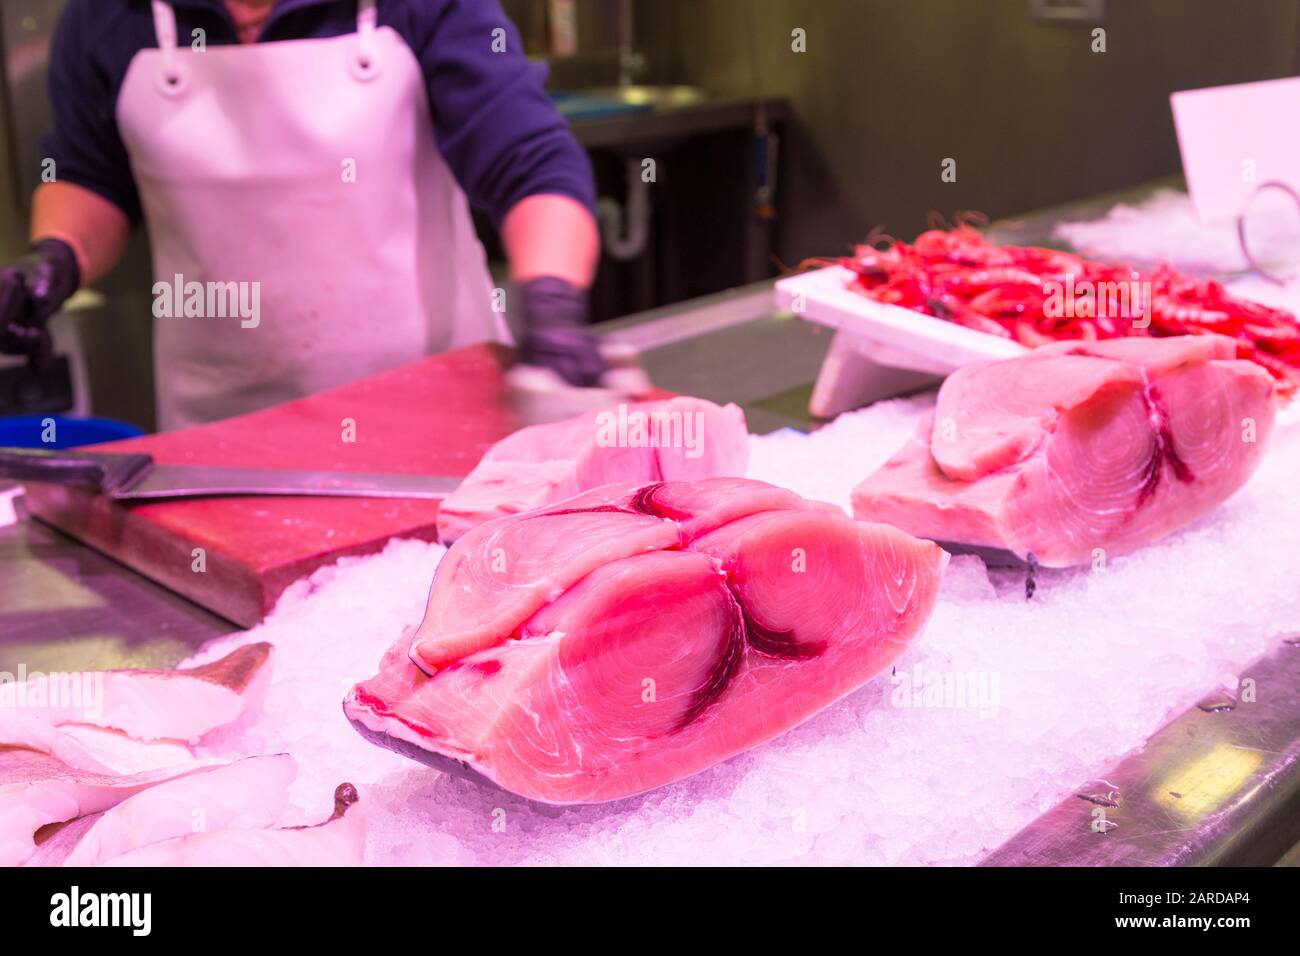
[137, 477]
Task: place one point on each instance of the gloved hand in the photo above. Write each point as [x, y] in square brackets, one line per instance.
[555, 334]
[32, 290]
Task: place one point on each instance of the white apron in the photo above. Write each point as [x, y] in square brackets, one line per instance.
[305, 171]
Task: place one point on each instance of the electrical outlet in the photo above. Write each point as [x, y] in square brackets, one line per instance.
[1068, 11]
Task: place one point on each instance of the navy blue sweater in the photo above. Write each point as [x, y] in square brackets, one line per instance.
[495, 125]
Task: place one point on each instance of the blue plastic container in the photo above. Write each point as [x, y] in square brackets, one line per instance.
[25, 431]
[581, 106]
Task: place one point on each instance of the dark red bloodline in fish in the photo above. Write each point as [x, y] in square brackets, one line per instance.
[486, 668]
[743, 630]
[647, 502]
[1151, 476]
[1180, 469]
[768, 640]
[643, 502]
[774, 643]
[380, 707]
[1164, 450]
[730, 654]
[579, 511]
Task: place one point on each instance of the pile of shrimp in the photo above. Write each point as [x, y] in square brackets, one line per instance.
[1036, 296]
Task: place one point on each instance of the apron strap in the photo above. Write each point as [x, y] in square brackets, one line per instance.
[172, 80]
[164, 24]
[367, 18]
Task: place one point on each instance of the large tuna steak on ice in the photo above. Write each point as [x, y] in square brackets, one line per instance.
[1077, 450]
[677, 439]
[637, 634]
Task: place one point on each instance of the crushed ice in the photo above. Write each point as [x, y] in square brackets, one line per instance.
[890, 775]
[1164, 227]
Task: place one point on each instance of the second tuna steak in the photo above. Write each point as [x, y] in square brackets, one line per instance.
[637, 634]
[1079, 450]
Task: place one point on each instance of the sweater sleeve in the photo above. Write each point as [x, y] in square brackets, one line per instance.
[498, 130]
[85, 143]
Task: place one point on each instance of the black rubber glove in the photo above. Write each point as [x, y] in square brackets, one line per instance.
[32, 290]
[555, 331]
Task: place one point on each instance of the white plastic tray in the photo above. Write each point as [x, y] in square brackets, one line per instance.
[901, 337]
[879, 350]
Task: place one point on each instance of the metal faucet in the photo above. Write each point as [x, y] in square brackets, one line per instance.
[630, 63]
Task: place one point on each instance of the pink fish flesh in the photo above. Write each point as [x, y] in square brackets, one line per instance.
[1077, 451]
[681, 438]
[639, 633]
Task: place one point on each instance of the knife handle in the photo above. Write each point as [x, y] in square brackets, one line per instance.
[107, 472]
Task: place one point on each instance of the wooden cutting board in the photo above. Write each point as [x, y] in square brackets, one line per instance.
[435, 416]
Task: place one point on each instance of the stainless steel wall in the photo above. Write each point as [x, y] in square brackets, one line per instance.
[889, 88]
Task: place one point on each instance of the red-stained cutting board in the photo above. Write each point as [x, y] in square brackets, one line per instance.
[436, 416]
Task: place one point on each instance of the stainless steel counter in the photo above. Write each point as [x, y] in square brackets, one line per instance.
[634, 130]
[64, 607]
[732, 347]
[1219, 785]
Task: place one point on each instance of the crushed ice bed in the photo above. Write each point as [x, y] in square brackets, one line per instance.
[1002, 708]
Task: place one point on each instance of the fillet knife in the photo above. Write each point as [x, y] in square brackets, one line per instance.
[137, 477]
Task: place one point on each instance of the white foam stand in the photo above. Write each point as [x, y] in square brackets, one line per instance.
[879, 351]
[850, 378]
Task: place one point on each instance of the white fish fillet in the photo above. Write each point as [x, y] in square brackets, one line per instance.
[247, 794]
[148, 704]
[122, 754]
[75, 745]
[339, 841]
[89, 748]
[37, 789]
